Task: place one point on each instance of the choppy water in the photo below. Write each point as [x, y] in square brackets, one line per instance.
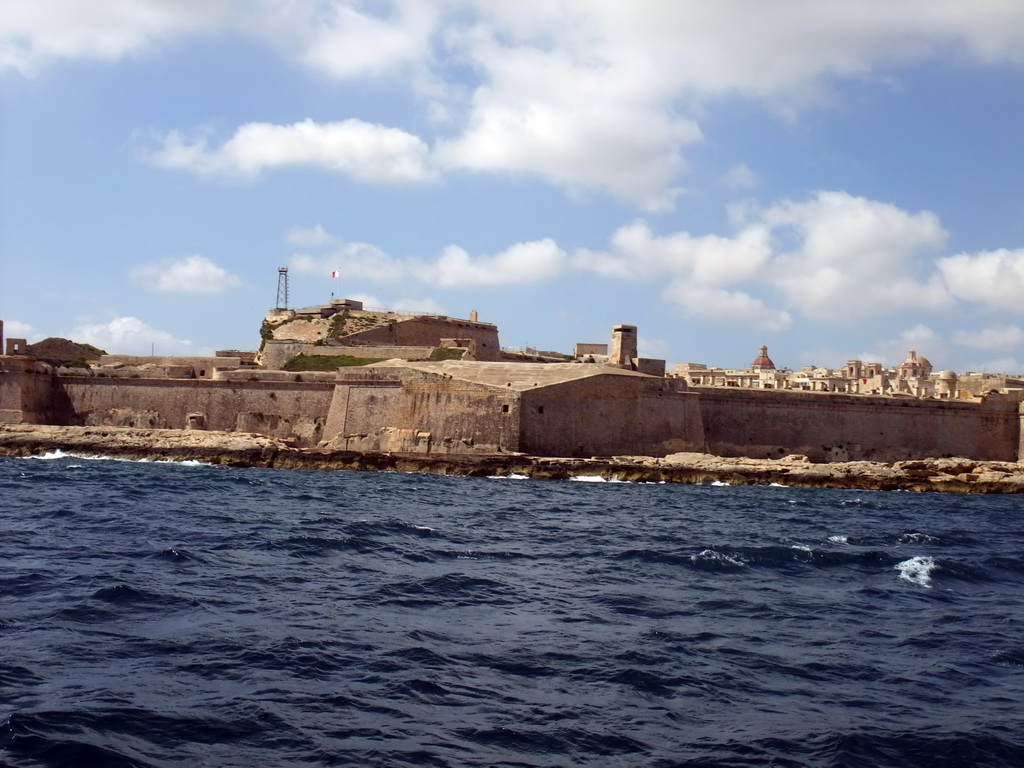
[170, 615]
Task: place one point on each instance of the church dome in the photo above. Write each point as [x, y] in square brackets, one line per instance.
[762, 362]
[915, 366]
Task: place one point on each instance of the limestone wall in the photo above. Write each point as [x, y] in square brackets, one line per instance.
[428, 332]
[277, 353]
[281, 409]
[833, 427]
[28, 392]
[608, 416]
[202, 367]
[407, 411]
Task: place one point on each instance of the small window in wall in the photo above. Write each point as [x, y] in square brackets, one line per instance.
[504, 408]
[202, 374]
[540, 409]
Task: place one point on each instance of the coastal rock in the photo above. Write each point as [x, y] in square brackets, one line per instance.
[246, 449]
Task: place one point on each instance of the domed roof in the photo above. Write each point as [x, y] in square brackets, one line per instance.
[762, 362]
[913, 361]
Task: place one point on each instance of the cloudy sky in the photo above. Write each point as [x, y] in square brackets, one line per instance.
[836, 180]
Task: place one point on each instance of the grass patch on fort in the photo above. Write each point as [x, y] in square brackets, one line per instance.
[447, 353]
[305, 362]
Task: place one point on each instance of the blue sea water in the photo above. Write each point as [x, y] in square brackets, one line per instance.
[185, 615]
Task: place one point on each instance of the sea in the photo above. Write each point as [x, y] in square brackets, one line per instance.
[181, 614]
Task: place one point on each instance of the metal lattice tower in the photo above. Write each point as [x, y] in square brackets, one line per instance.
[282, 288]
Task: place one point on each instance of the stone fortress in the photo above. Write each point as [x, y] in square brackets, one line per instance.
[343, 377]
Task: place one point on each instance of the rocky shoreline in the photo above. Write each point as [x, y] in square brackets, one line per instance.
[252, 450]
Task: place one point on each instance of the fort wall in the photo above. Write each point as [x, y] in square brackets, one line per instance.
[277, 353]
[393, 410]
[285, 410]
[202, 367]
[29, 393]
[835, 427]
[610, 415]
[428, 332]
[402, 409]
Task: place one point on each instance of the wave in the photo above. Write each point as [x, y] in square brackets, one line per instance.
[917, 570]
[57, 454]
[596, 479]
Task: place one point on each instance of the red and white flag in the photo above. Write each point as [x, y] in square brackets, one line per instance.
[335, 273]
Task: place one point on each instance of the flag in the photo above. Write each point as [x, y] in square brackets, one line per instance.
[335, 273]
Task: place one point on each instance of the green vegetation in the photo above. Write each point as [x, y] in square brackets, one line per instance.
[337, 327]
[79, 362]
[447, 353]
[267, 331]
[305, 362]
[91, 348]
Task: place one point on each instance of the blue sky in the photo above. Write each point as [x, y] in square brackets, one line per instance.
[835, 180]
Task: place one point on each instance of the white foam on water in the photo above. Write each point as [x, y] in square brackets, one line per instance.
[917, 570]
[777, 485]
[59, 454]
[915, 537]
[801, 547]
[713, 556]
[839, 539]
[719, 483]
[51, 455]
[513, 476]
[594, 479]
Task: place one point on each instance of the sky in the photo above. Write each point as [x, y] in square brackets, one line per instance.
[839, 180]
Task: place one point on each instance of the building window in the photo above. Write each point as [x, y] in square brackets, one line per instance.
[504, 408]
[540, 409]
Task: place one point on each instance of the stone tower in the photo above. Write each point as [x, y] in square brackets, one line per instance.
[623, 350]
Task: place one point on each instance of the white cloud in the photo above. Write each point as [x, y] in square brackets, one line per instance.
[365, 151]
[834, 257]
[316, 235]
[191, 274]
[131, 336]
[529, 262]
[1011, 365]
[722, 306]
[920, 338]
[739, 177]
[994, 279]
[574, 119]
[352, 260]
[37, 32]
[1002, 337]
[709, 259]
[851, 256]
[586, 94]
[15, 330]
[655, 348]
[425, 306]
[345, 42]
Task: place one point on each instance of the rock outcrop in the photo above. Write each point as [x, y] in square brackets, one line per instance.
[244, 449]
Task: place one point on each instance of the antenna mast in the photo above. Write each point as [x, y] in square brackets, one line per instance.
[282, 288]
